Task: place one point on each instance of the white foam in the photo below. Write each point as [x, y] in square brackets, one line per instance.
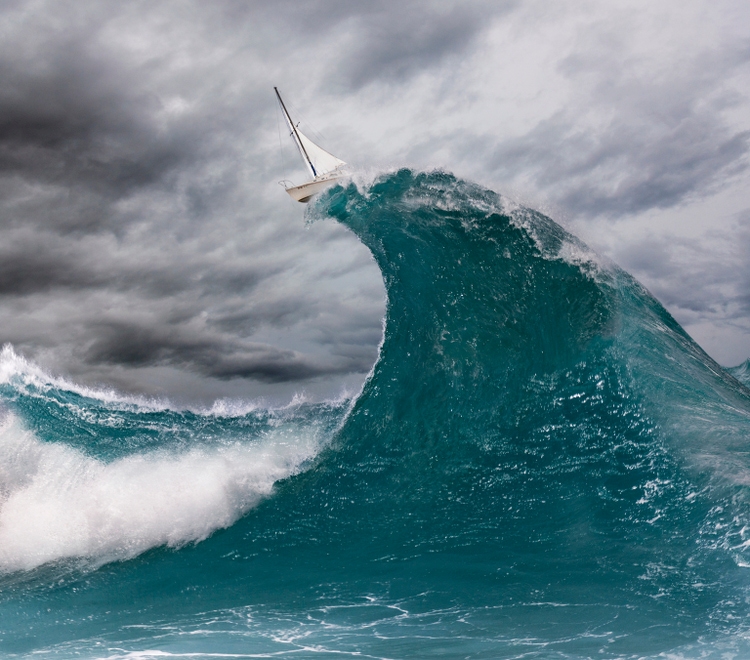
[18, 370]
[58, 503]
[22, 373]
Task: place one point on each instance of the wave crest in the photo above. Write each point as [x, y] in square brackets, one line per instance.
[57, 503]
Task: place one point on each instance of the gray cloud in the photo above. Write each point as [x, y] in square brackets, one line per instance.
[702, 280]
[22, 273]
[393, 41]
[73, 129]
[634, 168]
[742, 243]
[661, 261]
[664, 140]
[123, 343]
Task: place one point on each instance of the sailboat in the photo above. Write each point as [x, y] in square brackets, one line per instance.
[325, 168]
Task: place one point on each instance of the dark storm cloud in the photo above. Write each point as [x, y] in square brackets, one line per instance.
[663, 263]
[129, 344]
[89, 125]
[23, 273]
[395, 40]
[272, 365]
[142, 153]
[242, 321]
[632, 138]
[703, 281]
[743, 265]
[41, 263]
[383, 40]
[629, 167]
[66, 121]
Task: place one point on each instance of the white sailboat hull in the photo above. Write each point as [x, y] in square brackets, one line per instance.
[305, 191]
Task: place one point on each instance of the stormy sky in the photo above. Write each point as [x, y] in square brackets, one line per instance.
[145, 244]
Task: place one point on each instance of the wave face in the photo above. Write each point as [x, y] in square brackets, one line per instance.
[542, 464]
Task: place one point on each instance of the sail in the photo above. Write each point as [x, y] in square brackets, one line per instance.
[321, 161]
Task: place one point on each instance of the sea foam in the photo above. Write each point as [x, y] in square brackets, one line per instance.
[57, 503]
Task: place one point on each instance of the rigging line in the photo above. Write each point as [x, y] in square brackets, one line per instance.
[296, 134]
[309, 129]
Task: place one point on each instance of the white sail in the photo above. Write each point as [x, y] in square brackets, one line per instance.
[321, 161]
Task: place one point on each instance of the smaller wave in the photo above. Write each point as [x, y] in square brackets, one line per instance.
[57, 503]
[32, 380]
[25, 375]
[741, 372]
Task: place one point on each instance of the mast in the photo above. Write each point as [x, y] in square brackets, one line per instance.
[295, 135]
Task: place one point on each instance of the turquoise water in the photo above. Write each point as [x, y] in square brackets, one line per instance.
[741, 372]
[542, 464]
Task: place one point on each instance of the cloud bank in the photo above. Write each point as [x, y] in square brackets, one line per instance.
[144, 243]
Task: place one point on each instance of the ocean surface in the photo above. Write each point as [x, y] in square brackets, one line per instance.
[541, 464]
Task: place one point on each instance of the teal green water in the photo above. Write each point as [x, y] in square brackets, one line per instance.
[542, 464]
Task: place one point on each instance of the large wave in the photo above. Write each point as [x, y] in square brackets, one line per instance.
[541, 464]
